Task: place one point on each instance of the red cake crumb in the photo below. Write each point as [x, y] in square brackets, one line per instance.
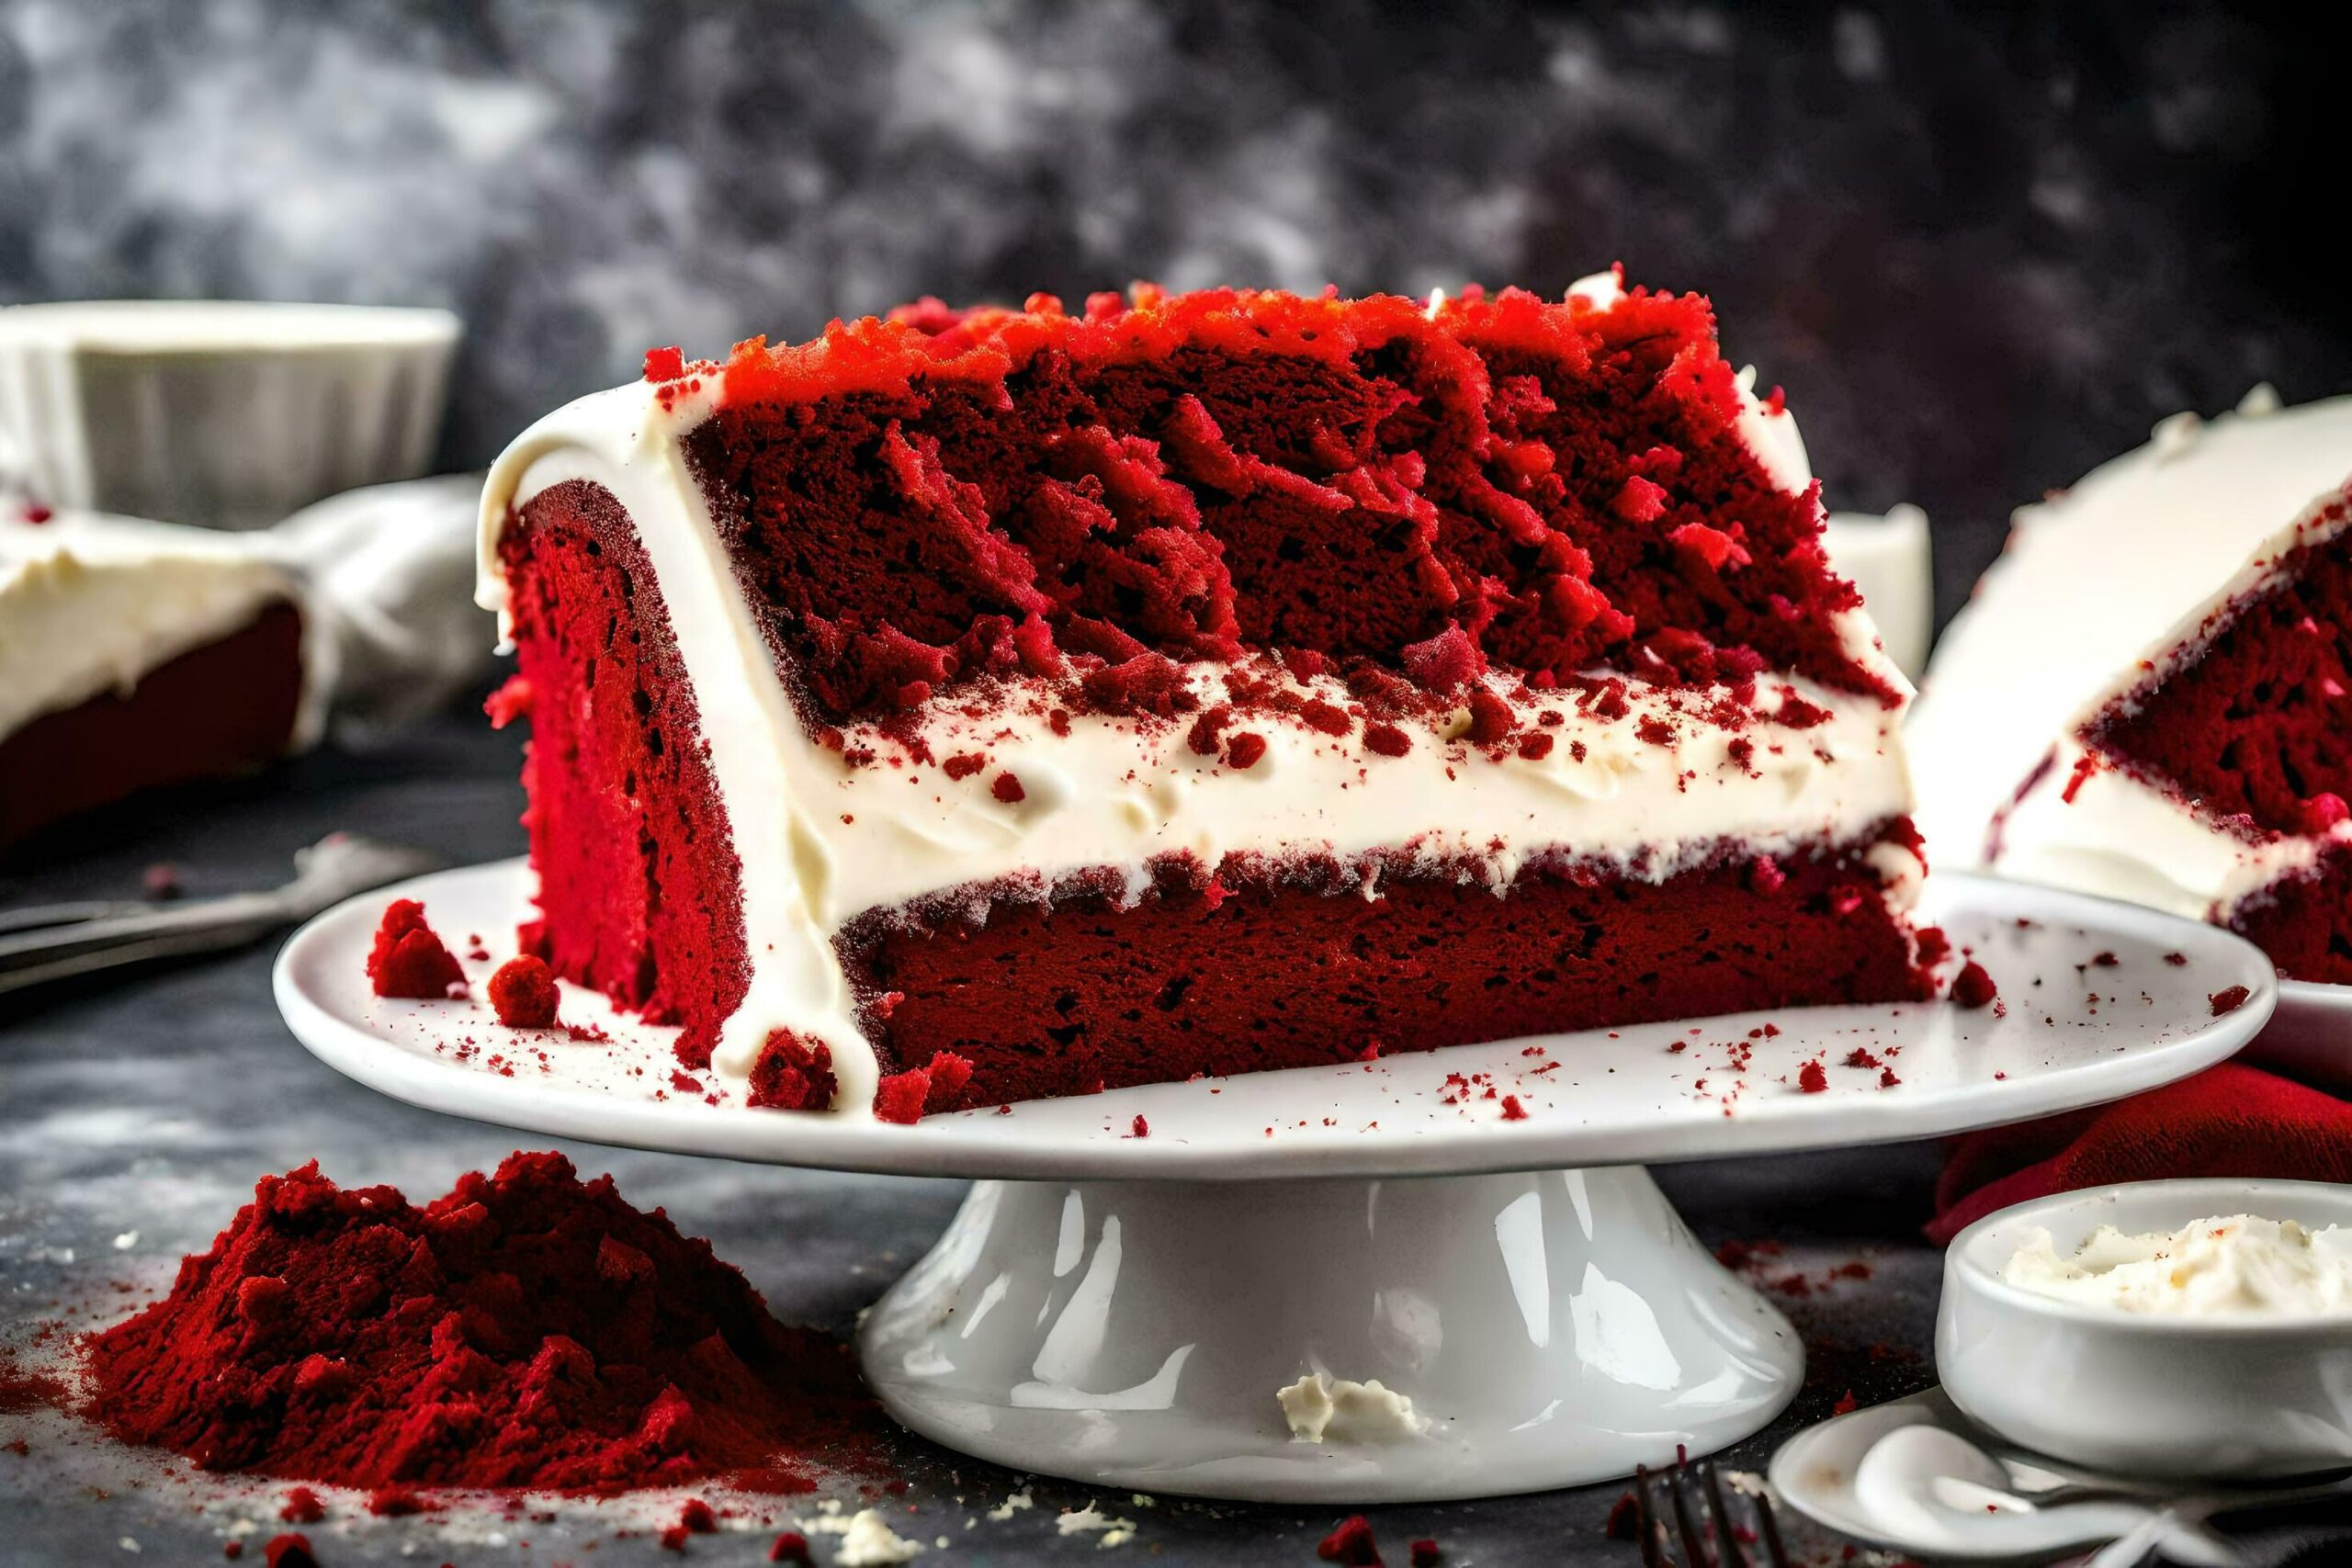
[1973, 987]
[664, 364]
[2227, 1000]
[1846, 1404]
[408, 960]
[672, 1538]
[964, 764]
[1425, 1553]
[291, 1550]
[696, 1518]
[527, 1330]
[790, 1547]
[233, 1550]
[1512, 1109]
[792, 1074]
[1006, 787]
[1887, 1079]
[2178, 960]
[906, 1098]
[1244, 749]
[1857, 1057]
[1387, 739]
[396, 1502]
[524, 992]
[302, 1507]
[1812, 1078]
[1350, 1545]
[1141, 1128]
[510, 702]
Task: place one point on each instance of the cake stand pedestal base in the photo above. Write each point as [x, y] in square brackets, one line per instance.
[1550, 1328]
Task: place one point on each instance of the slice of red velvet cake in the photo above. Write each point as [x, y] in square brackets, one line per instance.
[2150, 695]
[135, 655]
[974, 706]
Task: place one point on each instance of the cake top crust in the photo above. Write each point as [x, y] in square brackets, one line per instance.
[943, 497]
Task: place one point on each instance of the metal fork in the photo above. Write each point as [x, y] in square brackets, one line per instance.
[57, 942]
[1702, 1520]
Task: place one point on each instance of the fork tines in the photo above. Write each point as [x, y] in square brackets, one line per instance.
[1701, 1521]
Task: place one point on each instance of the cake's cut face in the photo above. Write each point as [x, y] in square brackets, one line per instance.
[137, 655]
[1039, 703]
[2204, 767]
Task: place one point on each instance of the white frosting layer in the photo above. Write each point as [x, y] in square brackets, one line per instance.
[2118, 570]
[2217, 1268]
[89, 603]
[824, 836]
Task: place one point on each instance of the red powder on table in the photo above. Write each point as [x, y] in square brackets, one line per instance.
[408, 960]
[527, 1330]
[524, 992]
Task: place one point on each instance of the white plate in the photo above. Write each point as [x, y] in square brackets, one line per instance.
[1590, 1099]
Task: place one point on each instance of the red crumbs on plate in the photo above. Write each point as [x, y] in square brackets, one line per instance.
[664, 364]
[524, 992]
[1245, 749]
[1846, 1405]
[408, 960]
[907, 1098]
[791, 1074]
[790, 1547]
[1810, 1079]
[696, 1517]
[1007, 788]
[2228, 1001]
[1973, 987]
[1350, 1545]
[1142, 1128]
[1512, 1109]
[302, 1507]
[2178, 960]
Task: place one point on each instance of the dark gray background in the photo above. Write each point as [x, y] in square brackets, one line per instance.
[1982, 248]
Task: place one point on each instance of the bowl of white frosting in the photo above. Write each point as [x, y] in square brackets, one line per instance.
[2192, 1329]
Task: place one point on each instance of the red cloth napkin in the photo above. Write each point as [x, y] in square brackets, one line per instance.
[2233, 1120]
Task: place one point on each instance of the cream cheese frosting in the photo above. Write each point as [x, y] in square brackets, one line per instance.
[2227, 1265]
[2100, 586]
[1321, 1408]
[90, 603]
[824, 839]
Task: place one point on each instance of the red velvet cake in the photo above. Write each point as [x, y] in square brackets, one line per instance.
[2150, 697]
[981, 705]
[135, 655]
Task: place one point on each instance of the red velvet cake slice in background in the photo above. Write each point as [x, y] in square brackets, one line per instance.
[2149, 697]
[982, 706]
[135, 655]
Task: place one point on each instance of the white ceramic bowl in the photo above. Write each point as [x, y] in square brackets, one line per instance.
[2210, 1398]
[225, 414]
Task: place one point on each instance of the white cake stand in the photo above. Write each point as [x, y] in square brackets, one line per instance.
[1122, 1309]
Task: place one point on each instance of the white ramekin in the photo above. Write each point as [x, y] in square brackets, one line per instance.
[226, 413]
[2214, 1398]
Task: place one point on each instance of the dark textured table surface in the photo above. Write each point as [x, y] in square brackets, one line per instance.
[136, 1114]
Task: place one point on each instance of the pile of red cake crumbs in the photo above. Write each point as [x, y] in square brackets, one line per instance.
[527, 1330]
